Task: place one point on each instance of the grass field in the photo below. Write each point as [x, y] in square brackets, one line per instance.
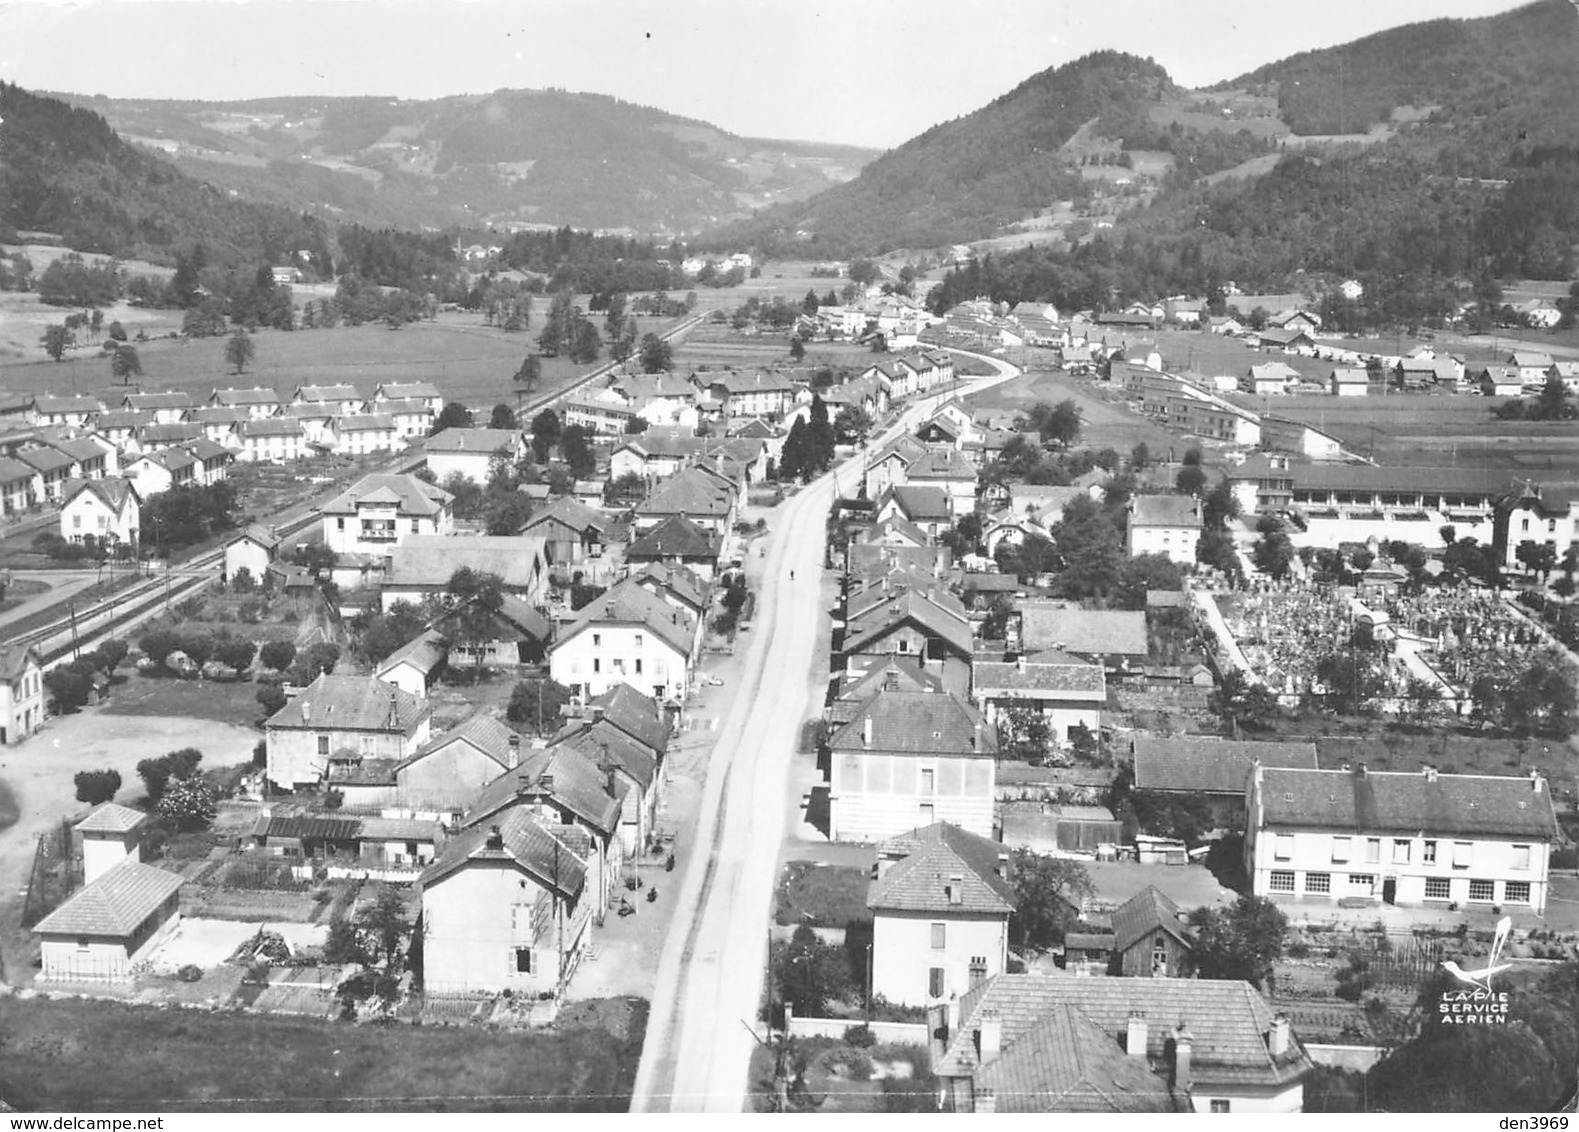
[722, 347]
[1104, 424]
[97, 1056]
[824, 896]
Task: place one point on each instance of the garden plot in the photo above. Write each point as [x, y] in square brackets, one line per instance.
[209, 943]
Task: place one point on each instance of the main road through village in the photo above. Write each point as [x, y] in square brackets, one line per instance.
[710, 975]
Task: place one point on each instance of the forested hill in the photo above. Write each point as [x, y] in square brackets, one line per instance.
[962, 179]
[64, 170]
[1496, 80]
[549, 157]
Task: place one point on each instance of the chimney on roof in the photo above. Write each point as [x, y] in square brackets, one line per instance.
[608, 609]
[306, 710]
[495, 839]
[1278, 1037]
[513, 751]
[866, 732]
[1003, 866]
[1537, 783]
[1183, 1047]
[989, 1036]
[545, 783]
[1135, 1034]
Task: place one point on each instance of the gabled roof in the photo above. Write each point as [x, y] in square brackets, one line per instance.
[131, 419]
[1210, 766]
[476, 441]
[405, 390]
[938, 858]
[271, 426]
[415, 496]
[479, 730]
[1227, 1019]
[571, 513]
[1279, 372]
[171, 433]
[524, 841]
[114, 493]
[205, 449]
[1143, 914]
[150, 402]
[351, 703]
[16, 658]
[563, 777]
[203, 415]
[691, 491]
[115, 904]
[676, 536]
[111, 818]
[918, 503]
[1165, 511]
[365, 422]
[895, 525]
[630, 604]
[1065, 1062]
[45, 460]
[678, 581]
[1382, 801]
[735, 383]
[424, 653]
[932, 618]
[169, 459]
[1086, 632]
[605, 746]
[430, 560]
[900, 674]
[941, 464]
[918, 723]
[322, 393]
[257, 395]
[12, 471]
[80, 403]
[637, 715]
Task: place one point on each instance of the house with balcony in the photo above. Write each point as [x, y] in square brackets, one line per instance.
[1415, 839]
[908, 759]
[941, 900]
[380, 510]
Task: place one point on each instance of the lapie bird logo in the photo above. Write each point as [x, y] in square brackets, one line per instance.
[1481, 979]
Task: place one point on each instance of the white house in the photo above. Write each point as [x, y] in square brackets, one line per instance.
[1066, 695]
[364, 434]
[380, 510]
[108, 510]
[628, 635]
[1406, 838]
[908, 759]
[274, 440]
[1169, 525]
[252, 550]
[1349, 381]
[470, 452]
[940, 905]
[341, 720]
[21, 692]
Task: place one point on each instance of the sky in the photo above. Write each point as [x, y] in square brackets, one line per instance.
[861, 72]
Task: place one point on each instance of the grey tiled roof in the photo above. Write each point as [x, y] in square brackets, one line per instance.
[919, 723]
[1381, 801]
[1210, 766]
[1065, 1062]
[1089, 632]
[112, 818]
[1069, 681]
[351, 703]
[1143, 914]
[935, 855]
[629, 603]
[113, 905]
[548, 858]
[1228, 1020]
[563, 776]
[637, 715]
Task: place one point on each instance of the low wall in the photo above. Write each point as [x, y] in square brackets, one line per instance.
[898, 1033]
[1357, 1058]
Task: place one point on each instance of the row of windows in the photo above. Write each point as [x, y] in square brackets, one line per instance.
[1401, 851]
[1436, 888]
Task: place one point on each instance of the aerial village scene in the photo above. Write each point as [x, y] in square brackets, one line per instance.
[822, 643]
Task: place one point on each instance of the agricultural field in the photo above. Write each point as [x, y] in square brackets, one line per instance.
[1104, 424]
[714, 347]
[133, 1058]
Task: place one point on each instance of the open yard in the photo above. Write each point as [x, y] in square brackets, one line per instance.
[720, 347]
[821, 895]
[1104, 424]
[96, 1055]
[827, 1075]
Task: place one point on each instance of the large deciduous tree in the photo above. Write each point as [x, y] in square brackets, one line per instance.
[1049, 892]
[1239, 942]
[239, 349]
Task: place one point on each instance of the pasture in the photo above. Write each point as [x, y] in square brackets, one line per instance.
[1104, 424]
[716, 347]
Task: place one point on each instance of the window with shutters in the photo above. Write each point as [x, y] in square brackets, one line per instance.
[1520, 857]
[1400, 851]
[1463, 854]
[1283, 847]
[1340, 850]
[1373, 850]
[935, 982]
[939, 936]
[523, 960]
[1428, 853]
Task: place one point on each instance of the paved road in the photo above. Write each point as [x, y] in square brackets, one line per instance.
[710, 977]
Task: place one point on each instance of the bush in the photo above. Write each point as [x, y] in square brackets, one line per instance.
[97, 786]
[271, 697]
[190, 973]
[861, 1037]
[277, 655]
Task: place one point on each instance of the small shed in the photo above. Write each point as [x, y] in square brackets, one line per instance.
[110, 925]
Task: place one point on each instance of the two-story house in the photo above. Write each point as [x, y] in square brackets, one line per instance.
[380, 510]
[273, 440]
[1169, 525]
[341, 720]
[908, 759]
[364, 434]
[504, 908]
[628, 635]
[75, 411]
[424, 392]
[1419, 838]
[700, 495]
[107, 510]
[340, 400]
[472, 452]
[21, 691]
[1151, 938]
[259, 401]
[759, 394]
[167, 408]
[21, 487]
[1069, 695]
[940, 905]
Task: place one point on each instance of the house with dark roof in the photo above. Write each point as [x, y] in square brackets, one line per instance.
[940, 902]
[898, 674]
[1216, 770]
[162, 470]
[425, 393]
[446, 774]
[630, 635]
[695, 494]
[106, 510]
[948, 470]
[76, 410]
[1030, 1043]
[1529, 512]
[678, 542]
[506, 908]
[167, 407]
[1066, 695]
[927, 506]
[561, 786]
[573, 534]
[1420, 838]
[632, 767]
[341, 720]
[680, 587]
[420, 566]
[735, 394]
[416, 664]
[1151, 938]
[123, 911]
[908, 759]
[515, 633]
[908, 622]
[887, 466]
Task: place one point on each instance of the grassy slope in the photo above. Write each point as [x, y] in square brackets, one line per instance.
[96, 1055]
